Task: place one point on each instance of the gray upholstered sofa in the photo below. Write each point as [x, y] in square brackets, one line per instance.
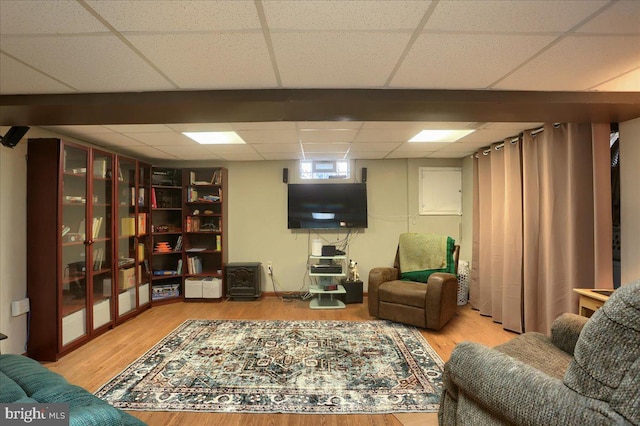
[586, 373]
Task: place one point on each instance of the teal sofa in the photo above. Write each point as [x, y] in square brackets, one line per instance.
[23, 380]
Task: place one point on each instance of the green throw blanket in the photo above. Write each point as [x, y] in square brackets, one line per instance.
[421, 255]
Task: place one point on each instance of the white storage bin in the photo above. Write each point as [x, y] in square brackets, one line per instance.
[193, 288]
[211, 288]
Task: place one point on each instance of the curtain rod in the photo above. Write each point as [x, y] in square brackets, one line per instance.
[515, 139]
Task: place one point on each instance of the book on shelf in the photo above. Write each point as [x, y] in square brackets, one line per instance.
[140, 252]
[142, 223]
[128, 226]
[133, 196]
[125, 261]
[100, 168]
[96, 226]
[154, 202]
[219, 242]
[192, 224]
[162, 272]
[216, 178]
[195, 249]
[179, 268]
[98, 258]
[178, 245]
[194, 265]
[141, 196]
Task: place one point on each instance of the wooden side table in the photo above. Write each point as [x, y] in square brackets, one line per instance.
[591, 300]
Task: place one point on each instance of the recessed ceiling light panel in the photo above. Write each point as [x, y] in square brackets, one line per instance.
[440, 135]
[215, 138]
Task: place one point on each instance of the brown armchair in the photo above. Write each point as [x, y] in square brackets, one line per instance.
[429, 305]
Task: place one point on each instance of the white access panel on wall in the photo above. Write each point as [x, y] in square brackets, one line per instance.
[440, 191]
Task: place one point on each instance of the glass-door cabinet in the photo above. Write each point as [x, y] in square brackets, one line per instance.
[100, 228]
[132, 207]
[126, 245]
[75, 246]
[143, 235]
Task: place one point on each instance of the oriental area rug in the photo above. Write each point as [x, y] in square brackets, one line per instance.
[314, 367]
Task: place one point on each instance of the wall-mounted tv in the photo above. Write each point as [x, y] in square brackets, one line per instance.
[327, 205]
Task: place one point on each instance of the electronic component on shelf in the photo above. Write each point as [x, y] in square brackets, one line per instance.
[326, 269]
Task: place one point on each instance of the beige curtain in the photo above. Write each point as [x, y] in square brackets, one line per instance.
[543, 209]
[497, 290]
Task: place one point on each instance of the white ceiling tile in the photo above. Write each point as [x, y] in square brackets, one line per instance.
[210, 61]
[325, 147]
[327, 136]
[367, 155]
[347, 59]
[623, 17]
[269, 136]
[563, 66]
[515, 16]
[264, 148]
[138, 128]
[100, 63]
[464, 61]
[384, 135]
[46, 17]
[408, 154]
[324, 156]
[447, 154]
[330, 125]
[110, 139]
[242, 157]
[465, 147]
[421, 146]
[17, 78]
[629, 82]
[344, 15]
[150, 152]
[239, 149]
[262, 126]
[373, 146]
[201, 127]
[79, 129]
[179, 16]
[162, 138]
[489, 135]
[282, 156]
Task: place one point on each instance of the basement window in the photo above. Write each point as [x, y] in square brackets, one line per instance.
[324, 169]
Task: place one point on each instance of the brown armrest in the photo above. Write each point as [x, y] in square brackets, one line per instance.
[442, 299]
[378, 276]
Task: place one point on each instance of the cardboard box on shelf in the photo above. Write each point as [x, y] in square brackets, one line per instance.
[126, 278]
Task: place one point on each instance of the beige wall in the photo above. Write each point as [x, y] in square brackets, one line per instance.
[13, 234]
[630, 201]
[258, 217]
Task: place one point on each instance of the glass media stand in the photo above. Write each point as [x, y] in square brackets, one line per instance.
[325, 299]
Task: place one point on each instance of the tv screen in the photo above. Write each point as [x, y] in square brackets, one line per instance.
[327, 205]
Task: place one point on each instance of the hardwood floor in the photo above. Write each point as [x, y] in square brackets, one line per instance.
[97, 362]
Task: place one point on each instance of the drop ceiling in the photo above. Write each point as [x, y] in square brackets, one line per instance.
[80, 68]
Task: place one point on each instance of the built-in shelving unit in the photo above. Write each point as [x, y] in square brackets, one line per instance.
[79, 201]
[188, 229]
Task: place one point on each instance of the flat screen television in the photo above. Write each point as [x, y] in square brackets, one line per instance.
[327, 205]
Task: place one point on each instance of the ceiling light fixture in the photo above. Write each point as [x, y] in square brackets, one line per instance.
[218, 138]
[440, 135]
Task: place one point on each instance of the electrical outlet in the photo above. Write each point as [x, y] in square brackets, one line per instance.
[20, 307]
[269, 268]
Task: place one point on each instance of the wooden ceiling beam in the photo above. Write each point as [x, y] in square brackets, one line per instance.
[228, 106]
